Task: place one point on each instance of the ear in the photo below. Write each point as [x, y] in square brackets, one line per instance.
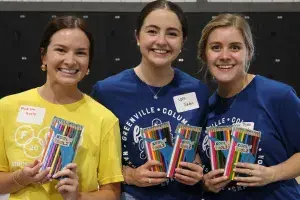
[136, 36]
[43, 56]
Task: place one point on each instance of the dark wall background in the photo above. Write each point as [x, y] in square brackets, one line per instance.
[276, 37]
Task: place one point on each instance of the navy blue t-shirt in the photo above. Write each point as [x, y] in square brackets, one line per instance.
[274, 109]
[131, 100]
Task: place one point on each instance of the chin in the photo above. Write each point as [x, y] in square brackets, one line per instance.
[68, 83]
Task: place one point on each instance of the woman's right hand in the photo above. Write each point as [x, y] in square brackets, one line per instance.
[143, 176]
[31, 174]
[214, 181]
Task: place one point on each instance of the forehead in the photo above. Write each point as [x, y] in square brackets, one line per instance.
[162, 18]
[226, 35]
[70, 37]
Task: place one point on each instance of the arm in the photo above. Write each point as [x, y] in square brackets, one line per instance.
[109, 191]
[143, 176]
[288, 118]
[14, 181]
[261, 175]
[288, 169]
[8, 185]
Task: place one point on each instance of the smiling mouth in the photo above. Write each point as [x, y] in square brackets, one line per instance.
[227, 66]
[160, 51]
[68, 71]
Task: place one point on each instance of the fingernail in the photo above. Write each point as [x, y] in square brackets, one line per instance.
[54, 176]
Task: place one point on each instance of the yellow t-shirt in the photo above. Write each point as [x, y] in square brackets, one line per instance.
[24, 123]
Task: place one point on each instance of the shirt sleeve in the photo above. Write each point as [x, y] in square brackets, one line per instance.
[3, 158]
[95, 94]
[110, 167]
[289, 119]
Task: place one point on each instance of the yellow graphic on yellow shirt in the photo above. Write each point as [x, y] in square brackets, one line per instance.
[31, 142]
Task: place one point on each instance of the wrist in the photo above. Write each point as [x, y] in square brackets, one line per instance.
[128, 174]
[275, 173]
[17, 179]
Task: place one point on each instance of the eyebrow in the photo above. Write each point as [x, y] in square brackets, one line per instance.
[170, 28]
[232, 43]
[61, 45]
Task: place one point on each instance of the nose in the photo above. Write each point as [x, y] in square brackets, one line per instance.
[225, 54]
[70, 59]
[161, 40]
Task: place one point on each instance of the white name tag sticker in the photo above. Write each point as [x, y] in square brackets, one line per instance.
[246, 125]
[31, 115]
[186, 102]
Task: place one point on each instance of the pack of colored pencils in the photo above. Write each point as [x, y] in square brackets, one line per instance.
[219, 143]
[158, 144]
[61, 145]
[185, 146]
[243, 148]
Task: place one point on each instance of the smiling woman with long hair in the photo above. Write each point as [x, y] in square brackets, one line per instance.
[66, 51]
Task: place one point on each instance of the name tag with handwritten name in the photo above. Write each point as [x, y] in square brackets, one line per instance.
[186, 102]
[31, 115]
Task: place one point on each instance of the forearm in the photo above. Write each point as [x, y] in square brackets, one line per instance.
[106, 192]
[288, 169]
[8, 183]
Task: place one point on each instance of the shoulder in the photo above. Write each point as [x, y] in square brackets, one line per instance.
[99, 111]
[271, 88]
[15, 98]
[187, 80]
[114, 81]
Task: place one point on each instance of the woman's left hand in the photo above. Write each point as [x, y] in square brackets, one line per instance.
[258, 175]
[68, 185]
[190, 175]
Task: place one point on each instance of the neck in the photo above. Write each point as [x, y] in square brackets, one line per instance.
[227, 90]
[156, 76]
[57, 94]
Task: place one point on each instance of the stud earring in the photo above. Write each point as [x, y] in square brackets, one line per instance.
[138, 44]
[88, 72]
[44, 67]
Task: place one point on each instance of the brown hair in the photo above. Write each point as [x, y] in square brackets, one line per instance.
[65, 22]
[163, 4]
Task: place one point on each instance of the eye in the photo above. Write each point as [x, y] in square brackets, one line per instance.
[81, 53]
[235, 48]
[173, 34]
[151, 31]
[61, 50]
[216, 47]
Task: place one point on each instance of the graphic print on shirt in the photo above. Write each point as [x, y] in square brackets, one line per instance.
[31, 141]
[206, 149]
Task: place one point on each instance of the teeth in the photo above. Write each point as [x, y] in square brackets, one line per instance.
[68, 71]
[159, 51]
[225, 66]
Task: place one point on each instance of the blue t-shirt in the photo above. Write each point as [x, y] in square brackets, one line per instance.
[274, 109]
[131, 100]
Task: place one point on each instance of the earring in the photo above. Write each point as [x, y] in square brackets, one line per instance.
[180, 51]
[138, 44]
[88, 72]
[44, 67]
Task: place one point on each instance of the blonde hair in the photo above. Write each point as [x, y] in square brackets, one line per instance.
[227, 20]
